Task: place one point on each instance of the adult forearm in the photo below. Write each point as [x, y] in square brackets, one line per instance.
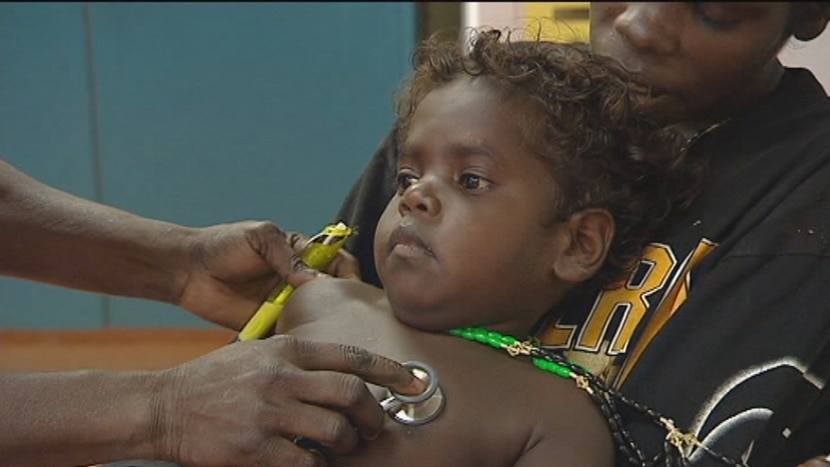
[52, 236]
[78, 418]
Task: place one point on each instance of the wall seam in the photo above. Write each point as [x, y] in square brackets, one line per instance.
[95, 132]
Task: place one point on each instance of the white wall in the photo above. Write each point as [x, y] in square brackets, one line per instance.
[814, 55]
[496, 14]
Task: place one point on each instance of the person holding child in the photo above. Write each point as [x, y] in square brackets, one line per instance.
[721, 328]
[523, 175]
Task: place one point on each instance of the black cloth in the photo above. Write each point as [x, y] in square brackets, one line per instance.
[753, 315]
[757, 312]
[365, 203]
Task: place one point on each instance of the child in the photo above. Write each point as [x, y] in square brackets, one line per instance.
[523, 175]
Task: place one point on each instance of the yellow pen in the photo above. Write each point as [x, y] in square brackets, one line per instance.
[320, 251]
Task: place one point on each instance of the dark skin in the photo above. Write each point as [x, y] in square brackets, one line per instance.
[182, 414]
[464, 175]
[465, 171]
[521, 417]
[705, 61]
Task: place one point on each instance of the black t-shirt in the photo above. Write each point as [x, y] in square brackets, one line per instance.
[724, 322]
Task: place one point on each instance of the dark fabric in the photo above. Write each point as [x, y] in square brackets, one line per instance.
[140, 463]
[757, 308]
[747, 341]
[801, 421]
[757, 311]
[365, 203]
[756, 316]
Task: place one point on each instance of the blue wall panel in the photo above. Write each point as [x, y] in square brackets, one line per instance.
[218, 112]
[45, 131]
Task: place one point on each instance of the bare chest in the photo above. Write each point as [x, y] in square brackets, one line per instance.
[495, 406]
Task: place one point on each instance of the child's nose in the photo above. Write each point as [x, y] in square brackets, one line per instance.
[419, 199]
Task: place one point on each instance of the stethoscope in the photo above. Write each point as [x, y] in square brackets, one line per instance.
[408, 410]
[420, 408]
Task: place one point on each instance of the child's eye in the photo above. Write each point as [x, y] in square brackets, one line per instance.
[404, 180]
[473, 182]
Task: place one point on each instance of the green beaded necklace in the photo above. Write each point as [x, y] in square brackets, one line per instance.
[513, 347]
[606, 398]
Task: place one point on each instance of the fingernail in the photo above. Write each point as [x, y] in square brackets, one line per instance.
[421, 385]
[369, 436]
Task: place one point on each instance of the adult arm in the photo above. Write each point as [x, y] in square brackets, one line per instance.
[220, 273]
[243, 404]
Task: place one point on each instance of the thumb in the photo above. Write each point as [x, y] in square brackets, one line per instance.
[344, 265]
[301, 273]
[281, 250]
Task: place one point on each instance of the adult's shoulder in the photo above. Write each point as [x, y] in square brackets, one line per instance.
[797, 111]
[802, 81]
[800, 91]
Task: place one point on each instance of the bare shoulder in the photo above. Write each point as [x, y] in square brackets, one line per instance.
[569, 427]
[336, 288]
[329, 299]
[539, 418]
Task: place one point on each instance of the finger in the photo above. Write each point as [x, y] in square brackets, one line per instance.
[353, 360]
[280, 452]
[339, 379]
[328, 427]
[307, 419]
[274, 245]
[347, 396]
[335, 377]
[298, 241]
[345, 265]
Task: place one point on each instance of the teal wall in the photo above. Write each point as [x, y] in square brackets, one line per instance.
[195, 113]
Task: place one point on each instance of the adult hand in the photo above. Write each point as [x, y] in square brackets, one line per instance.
[233, 267]
[244, 404]
[344, 265]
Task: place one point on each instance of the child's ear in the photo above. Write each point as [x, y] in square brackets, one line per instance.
[590, 233]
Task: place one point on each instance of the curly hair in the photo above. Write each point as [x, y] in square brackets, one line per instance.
[581, 122]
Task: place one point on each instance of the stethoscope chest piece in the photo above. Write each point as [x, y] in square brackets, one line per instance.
[420, 408]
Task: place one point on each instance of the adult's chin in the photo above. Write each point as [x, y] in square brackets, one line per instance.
[663, 108]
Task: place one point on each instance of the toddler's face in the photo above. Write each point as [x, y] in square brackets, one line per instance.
[463, 241]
